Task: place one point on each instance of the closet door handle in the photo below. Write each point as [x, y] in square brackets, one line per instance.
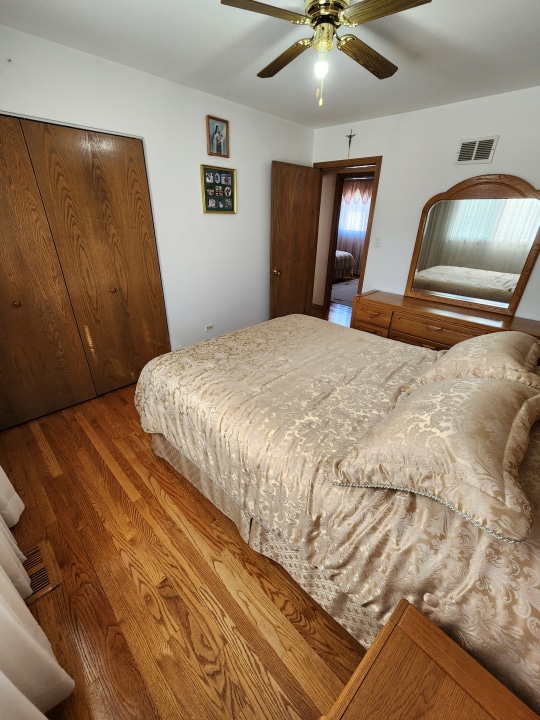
[113, 290]
[276, 272]
[17, 303]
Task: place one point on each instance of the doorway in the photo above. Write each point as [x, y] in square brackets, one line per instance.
[303, 233]
[349, 189]
[352, 206]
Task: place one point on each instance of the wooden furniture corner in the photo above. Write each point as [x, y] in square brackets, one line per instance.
[413, 670]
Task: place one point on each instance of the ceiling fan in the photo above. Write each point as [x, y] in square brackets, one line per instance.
[325, 17]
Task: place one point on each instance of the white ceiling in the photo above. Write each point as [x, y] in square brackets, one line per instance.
[446, 51]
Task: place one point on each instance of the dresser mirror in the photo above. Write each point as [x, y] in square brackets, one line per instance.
[477, 244]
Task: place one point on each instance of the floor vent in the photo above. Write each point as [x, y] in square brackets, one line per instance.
[43, 571]
[478, 150]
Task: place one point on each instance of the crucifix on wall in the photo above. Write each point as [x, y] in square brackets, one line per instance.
[350, 136]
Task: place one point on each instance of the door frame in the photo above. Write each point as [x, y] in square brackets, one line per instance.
[371, 164]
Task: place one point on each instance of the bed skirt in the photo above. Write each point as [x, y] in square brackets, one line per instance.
[350, 614]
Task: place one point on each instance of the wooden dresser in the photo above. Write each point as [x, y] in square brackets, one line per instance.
[413, 670]
[429, 324]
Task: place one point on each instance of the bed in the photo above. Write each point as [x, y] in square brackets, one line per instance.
[343, 265]
[467, 282]
[372, 470]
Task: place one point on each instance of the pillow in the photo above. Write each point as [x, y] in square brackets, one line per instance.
[459, 442]
[507, 355]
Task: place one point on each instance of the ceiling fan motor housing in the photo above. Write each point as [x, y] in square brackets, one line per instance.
[325, 11]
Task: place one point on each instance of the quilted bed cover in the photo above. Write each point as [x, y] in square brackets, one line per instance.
[343, 264]
[270, 411]
[468, 282]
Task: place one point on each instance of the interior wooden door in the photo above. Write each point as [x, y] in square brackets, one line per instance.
[42, 362]
[296, 195]
[95, 193]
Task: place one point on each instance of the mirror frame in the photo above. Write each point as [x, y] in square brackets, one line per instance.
[480, 186]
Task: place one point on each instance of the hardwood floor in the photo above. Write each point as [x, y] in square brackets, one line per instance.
[339, 314]
[163, 611]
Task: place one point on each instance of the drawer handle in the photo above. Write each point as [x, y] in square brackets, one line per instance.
[372, 313]
[433, 328]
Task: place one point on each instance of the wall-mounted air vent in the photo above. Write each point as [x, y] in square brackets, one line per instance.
[478, 150]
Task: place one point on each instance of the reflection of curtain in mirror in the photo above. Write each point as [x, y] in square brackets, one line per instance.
[354, 216]
[484, 234]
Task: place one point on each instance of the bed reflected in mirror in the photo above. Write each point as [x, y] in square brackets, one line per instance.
[477, 244]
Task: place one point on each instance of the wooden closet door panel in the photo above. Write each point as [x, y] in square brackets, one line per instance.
[42, 363]
[96, 196]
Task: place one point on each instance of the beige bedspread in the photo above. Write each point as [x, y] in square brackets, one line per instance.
[468, 282]
[270, 411]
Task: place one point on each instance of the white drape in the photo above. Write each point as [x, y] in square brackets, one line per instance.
[11, 505]
[11, 560]
[31, 680]
[486, 234]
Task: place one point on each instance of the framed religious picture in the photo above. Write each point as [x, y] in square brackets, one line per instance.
[218, 186]
[217, 136]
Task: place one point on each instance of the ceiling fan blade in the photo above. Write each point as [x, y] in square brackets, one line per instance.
[285, 58]
[264, 9]
[368, 10]
[366, 56]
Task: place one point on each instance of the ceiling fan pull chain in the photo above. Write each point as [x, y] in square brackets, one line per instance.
[318, 94]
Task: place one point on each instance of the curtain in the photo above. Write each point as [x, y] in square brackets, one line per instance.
[354, 217]
[31, 680]
[11, 560]
[485, 234]
[11, 505]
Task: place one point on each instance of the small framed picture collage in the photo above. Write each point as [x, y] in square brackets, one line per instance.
[218, 189]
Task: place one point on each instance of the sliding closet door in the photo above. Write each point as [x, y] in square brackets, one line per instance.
[42, 362]
[95, 193]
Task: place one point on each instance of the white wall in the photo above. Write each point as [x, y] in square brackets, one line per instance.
[418, 150]
[215, 268]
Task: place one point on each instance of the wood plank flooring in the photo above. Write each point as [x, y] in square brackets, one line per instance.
[336, 313]
[163, 611]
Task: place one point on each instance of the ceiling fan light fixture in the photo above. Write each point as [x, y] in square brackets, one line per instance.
[321, 66]
[323, 42]
[324, 37]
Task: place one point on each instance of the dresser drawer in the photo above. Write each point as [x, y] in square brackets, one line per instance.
[421, 342]
[373, 329]
[371, 314]
[432, 329]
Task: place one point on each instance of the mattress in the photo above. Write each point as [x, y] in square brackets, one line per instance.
[467, 282]
[343, 264]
